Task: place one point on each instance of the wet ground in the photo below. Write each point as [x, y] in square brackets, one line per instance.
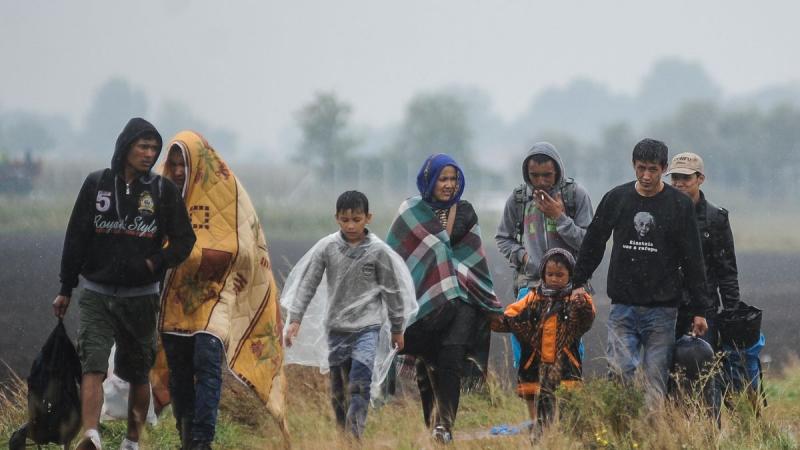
[29, 282]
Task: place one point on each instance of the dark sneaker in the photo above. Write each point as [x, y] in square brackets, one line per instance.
[200, 445]
[442, 435]
[536, 429]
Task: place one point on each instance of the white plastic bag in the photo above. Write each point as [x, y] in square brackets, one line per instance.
[115, 396]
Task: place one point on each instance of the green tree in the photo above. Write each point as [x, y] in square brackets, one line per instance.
[23, 131]
[113, 105]
[327, 140]
[672, 82]
[436, 123]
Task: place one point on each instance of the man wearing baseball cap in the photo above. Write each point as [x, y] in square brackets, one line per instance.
[687, 173]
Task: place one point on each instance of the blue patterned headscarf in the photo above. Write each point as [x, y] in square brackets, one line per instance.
[429, 173]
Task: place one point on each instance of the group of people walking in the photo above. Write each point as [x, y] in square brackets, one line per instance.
[182, 256]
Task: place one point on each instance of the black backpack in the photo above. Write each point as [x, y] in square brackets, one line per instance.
[54, 406]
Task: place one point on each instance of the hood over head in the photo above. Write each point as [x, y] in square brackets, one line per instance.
[429, 174]
[135, 129]
[547, 149]
[559, 292]
[550, 253]
[204, 167]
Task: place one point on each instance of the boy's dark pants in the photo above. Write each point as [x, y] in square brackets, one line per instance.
[195, 383]
[351, 358]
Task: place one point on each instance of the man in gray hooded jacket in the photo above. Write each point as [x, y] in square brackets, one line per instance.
[549, 210]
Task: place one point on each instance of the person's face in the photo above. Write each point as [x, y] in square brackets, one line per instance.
[688, 184]
[542, 176]
[352, 224]
[642, 227]
[648, 174]
[556, 276]
[446, 184]
[142, 155]
[177, 167]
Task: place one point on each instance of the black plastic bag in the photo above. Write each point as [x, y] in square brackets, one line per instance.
[54, 406]
[741, 327]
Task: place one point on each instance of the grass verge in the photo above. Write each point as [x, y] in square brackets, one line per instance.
[599, 415]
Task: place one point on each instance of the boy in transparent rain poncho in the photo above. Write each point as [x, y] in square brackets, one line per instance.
[354, 323]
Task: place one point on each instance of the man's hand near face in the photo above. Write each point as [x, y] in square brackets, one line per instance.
[551, 207]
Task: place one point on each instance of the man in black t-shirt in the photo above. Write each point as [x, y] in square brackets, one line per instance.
[655, 235]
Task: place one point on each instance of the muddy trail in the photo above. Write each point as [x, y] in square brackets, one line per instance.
[29, 282]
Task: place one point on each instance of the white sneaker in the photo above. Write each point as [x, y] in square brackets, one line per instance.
[90, 441]
[442, 435]
[128, 445]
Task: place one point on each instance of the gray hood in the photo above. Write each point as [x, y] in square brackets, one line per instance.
[547, 149]
[551, 252]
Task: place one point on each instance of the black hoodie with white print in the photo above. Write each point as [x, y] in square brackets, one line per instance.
[115, 227]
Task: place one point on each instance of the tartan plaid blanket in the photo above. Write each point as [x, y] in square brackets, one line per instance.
[442, 272]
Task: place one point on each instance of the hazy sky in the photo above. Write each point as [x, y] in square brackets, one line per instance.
[249, 65]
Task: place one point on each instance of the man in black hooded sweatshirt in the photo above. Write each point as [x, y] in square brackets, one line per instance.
[114, 241]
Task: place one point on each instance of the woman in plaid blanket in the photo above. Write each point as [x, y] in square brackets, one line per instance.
[437, 234]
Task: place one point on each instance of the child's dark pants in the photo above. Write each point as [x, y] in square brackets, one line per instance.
[351, 358]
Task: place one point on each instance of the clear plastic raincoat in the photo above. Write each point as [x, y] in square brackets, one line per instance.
[344, 288]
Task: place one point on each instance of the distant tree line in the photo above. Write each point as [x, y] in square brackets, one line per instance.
[746, 148]
[749, 142]
[113, 104]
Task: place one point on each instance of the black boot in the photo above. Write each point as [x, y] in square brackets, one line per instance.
[200, 445]
[185, 430]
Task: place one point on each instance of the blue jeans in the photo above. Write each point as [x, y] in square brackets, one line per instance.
[642, 335]
[742, 368]
[195, 382]
[351, 359]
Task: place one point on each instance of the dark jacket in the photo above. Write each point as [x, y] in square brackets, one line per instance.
[466, 218]
[114, 227]
[656, 250]
[722, 276]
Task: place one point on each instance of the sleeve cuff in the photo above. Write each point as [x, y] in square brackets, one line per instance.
[562, 220]
[520, 255]
[66, 290]
[294, 317]
[730, 305]
[396, 326]
[699, 314]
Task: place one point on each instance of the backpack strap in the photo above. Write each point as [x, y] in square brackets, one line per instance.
[568, 189]
[521, 196]
[96, 177]
[159, 187]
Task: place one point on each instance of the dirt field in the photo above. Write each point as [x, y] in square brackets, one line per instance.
[29, 282]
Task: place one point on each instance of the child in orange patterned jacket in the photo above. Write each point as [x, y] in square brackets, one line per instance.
[549, 326]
